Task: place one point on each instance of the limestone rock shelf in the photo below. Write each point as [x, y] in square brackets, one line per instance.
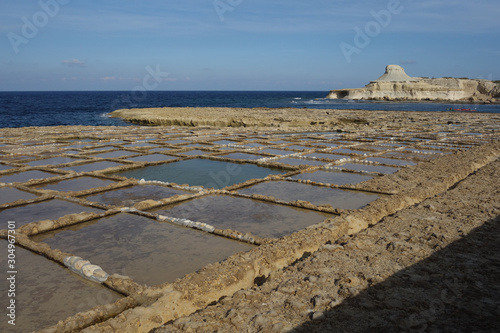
[396, 85]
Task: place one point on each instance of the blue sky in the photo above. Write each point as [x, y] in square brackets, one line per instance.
[241, 44]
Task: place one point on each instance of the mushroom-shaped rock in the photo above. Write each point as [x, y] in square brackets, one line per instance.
[395, 73]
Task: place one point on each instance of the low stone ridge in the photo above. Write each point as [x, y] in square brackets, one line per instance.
[285, 118]
[396, 85]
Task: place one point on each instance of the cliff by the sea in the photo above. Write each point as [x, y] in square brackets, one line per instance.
[396, 85]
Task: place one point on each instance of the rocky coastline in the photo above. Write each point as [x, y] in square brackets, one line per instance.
[396, 85]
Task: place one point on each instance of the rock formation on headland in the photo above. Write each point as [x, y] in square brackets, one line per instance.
[396, 85]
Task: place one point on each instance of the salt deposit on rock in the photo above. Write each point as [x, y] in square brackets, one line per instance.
[85, 269]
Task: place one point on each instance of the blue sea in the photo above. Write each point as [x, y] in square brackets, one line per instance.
[22, 109]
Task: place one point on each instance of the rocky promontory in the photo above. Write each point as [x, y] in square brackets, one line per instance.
[396, 85]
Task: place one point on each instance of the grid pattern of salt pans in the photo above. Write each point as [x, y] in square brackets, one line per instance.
[68, 192]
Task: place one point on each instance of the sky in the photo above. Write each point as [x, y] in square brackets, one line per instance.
[317, 45]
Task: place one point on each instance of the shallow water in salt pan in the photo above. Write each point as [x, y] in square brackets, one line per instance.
[242, 156]
[368, 168]
[332, 177]
[9, 194]
[45, 210]
[324, 144]
[317, 195]
[53, 161]
[327, 156]
[349, 151]
[296, 147]
[115, 154]
[260, 218]
[202, 172]
[141, 145]
[5, 167]
[392, 161]
[193, 152]
[131, 195]
[75, 184]
[93, 166]
[296, 161]
[276, 151]
[48, 292]
[148, 251]
[152, 158]
[21, 177]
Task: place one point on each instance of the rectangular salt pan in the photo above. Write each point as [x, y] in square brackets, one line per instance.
[295, 161]
[350, 151]
[144, 249]
[115, 154]
[392, 161]
[260, 218]
[47, 292]
[5, 167]
[131, 195]
[196, 172]
[317, 195]
[9, 194]
[277, 151]
[224, 142]
[93, 166]
[45, 210]
[52, 161]
[141, 145]
[296, 147]
[242, 156]
[328, 156]
[152, 158]
[193, 152]
[22, 177]
[330, 177]
[368, 168]
[76, 184]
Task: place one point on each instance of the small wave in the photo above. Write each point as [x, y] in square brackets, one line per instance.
[314, 101]
[105, 115]
[297, 98]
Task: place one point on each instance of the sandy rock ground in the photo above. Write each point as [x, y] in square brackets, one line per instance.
[433, 267]
[293, 118]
